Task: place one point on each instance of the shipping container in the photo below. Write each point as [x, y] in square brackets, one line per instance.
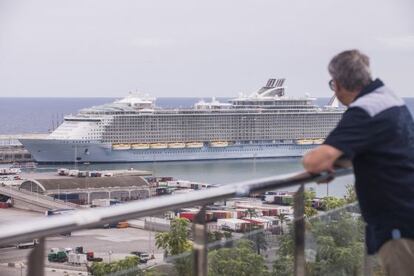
[188, 215]
[236, 225]
[122, 224]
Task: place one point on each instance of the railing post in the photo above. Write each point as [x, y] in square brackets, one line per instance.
[299, 231]
[36, 264]
[200, 243]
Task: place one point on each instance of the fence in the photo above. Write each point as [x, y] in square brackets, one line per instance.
[82, 219]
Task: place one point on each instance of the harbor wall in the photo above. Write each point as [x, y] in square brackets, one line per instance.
[11, 150]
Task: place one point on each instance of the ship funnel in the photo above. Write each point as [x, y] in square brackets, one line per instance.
[274, 88]
[274, 83]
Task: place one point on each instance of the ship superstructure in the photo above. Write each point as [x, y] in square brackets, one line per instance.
[265, 123]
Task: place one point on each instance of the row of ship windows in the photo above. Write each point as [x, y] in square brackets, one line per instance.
[263, 116]
[164, 130]
[217, 127]
[216, 123]
[240, 134]
[236, 137]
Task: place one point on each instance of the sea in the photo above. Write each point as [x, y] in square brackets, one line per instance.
[41, 115]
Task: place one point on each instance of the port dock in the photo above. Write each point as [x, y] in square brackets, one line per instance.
[11, 150]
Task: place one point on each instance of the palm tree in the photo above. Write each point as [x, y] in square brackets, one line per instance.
[282, 219]
[251, 212]
[176, 241]
[259, 239]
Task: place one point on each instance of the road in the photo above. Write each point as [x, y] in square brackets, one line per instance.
[109, 244]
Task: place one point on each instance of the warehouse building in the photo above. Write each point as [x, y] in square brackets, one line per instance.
[84, 190]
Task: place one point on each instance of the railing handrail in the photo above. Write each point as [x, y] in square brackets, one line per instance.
[46, 197]
[46, 226]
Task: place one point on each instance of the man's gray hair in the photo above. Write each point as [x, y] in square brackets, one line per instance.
[350, 69]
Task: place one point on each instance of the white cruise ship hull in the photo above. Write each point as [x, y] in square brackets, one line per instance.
[70, 151]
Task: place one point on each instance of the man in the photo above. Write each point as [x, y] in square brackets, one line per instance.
[377, 134]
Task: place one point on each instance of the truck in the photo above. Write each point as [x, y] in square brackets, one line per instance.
[63, 171]
[90, 256]
[77, 258]
[57, 256]
[27, 244]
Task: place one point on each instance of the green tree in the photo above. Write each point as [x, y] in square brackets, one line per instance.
[339, 247]
[227, 234]
[214, 236]
[251, 212]
[331, 202]
[127, 267]
[176, 241]
[309, 195]
[258, 238]
[282, 219]
[240, 260]
[350, 194]
[154, 272]
[283, 266]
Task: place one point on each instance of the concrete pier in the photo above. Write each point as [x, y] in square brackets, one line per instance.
[11, 150]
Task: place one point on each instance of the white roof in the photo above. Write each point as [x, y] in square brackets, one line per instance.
[260, 219]
[233, 220]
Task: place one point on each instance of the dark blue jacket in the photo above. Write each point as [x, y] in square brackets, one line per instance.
[377, 134]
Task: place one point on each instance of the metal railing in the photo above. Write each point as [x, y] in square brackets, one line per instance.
[16, 192]
[40, 228]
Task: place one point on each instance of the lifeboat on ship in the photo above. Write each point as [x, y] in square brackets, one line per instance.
[220, 144]
[140, 146]
[304, 142]
[318, 141]
[176, 145]
[158, 146]
[121, 146]
[194, 145]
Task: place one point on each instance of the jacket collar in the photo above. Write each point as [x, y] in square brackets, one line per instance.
[374, 85]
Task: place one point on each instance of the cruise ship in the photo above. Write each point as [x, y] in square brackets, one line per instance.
[263, 124]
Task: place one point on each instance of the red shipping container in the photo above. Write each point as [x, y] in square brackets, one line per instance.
[4, 205]
[188, 215]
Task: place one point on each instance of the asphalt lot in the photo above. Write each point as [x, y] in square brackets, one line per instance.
[109, 244]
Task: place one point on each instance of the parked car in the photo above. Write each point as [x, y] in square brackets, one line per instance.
[144, 257]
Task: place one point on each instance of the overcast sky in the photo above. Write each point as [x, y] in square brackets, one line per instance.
[102, 48]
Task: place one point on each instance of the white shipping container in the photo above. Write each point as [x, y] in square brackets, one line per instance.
[101, 202]
[72, 258]
[82, 259]
[78, 259]
[269, 198]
